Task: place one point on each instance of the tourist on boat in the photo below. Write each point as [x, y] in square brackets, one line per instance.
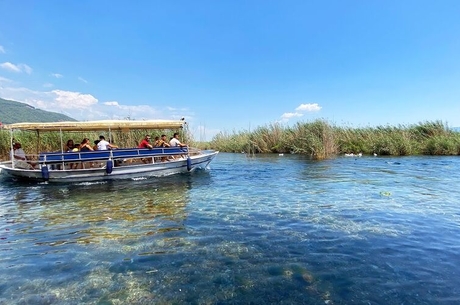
[69, 146]
[95, 144]
[145, 143]
[20, 159]
[163, 142]
[85, 146]
[175, 141]
[155, 141]
[104, 145]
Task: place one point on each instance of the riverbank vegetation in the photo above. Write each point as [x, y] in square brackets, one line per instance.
[317, 139]
[321, 140]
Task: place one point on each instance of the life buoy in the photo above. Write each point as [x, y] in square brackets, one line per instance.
[45, 172]
[189, 164]
[109, 167]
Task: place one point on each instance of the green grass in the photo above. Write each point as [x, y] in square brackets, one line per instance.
[321, 140]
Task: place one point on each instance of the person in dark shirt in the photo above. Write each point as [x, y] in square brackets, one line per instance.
[85, 146]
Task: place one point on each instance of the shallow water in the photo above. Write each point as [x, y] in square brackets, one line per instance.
[269, 229]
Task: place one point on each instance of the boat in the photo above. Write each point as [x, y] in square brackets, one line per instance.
[101, 165]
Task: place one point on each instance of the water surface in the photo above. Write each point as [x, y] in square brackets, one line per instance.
[269, 229]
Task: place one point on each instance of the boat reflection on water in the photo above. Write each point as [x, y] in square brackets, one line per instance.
[88, 213]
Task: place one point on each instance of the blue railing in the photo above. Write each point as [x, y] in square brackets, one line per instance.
[113, 154]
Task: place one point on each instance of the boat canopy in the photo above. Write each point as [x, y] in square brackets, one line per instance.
[98, 125]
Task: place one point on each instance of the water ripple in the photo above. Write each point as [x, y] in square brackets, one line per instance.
[267, 229]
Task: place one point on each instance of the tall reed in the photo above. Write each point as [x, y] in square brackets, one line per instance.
[316, 139]
[319, 140]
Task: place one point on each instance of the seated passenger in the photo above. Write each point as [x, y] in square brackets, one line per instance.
[175, 141]
[85, 146]
[104, 145]
[69, 145]
[20, 159]
[145, 143]
[95, 144]
[155, 143]
[163, 141]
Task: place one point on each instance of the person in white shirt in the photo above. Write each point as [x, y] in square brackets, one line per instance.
[175, 141]
[20, 159]
[104, 145]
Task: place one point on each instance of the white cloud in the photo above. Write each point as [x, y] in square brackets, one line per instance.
[38, 99]
[2, 50]
[57, 75]
[48, 85]
[74, 104]
[16, 68]
[138, 112]
[299, 111]
[308, 107]
[84, 107]
[74, 100]
[289, 115]
[5, 80]
[82, 80]
[9, 66]
[25, 68]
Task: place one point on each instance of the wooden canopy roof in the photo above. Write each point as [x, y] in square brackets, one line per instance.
[98, 125]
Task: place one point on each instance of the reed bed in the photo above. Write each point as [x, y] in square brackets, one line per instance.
[321, 140]
[317, 139]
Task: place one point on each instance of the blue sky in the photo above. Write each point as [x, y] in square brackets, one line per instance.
[235, 65]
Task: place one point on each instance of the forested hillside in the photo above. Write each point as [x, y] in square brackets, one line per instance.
[15, 112]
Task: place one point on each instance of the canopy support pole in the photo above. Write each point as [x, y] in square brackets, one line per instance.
[62, 143]
[38, 143]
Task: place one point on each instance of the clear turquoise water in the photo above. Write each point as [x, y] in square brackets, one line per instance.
[270, 229]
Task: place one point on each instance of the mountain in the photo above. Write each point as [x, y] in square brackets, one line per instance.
[16, 112]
